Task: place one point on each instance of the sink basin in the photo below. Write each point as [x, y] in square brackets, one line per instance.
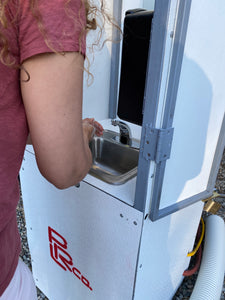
[113, 162]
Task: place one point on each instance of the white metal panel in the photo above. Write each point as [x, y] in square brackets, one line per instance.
[149, 4]
[131, 4]
[200, 104]
[97, 238]
[163, 253]
[96, 91]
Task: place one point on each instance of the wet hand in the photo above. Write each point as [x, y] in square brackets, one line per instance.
[98, 129]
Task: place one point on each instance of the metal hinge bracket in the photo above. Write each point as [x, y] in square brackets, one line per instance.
[157, 144]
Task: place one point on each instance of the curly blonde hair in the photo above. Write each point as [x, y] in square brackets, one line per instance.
[93, 13]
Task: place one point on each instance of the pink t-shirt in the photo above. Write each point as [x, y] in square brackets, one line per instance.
[26, 40]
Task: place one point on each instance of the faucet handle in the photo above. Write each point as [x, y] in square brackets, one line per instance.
[114, 122]
[125, 132]
[120, 124]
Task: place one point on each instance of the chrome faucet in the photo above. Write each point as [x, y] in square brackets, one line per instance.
[125, 132]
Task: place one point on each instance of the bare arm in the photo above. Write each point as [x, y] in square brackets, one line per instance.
[53, 104]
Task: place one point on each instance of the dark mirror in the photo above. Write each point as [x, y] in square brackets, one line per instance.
[135, 49]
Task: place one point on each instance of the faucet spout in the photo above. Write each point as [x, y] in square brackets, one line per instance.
[125, 132]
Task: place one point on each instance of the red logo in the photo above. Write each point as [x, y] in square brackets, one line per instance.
[58, 247]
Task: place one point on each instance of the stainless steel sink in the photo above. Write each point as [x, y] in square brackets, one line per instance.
[113, 162]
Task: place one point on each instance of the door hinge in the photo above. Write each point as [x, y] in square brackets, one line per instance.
[157, 143]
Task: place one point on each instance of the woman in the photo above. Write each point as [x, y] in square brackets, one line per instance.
[42, 61]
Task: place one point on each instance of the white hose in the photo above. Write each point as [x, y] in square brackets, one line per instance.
[209, 282]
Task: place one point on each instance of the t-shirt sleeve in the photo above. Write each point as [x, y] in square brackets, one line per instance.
[53, 26]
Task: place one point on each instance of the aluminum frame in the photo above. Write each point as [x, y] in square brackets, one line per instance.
[176, 64]
[152, 89]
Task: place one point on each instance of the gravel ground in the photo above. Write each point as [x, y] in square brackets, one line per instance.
[187, 285]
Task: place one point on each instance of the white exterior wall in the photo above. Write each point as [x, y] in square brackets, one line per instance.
[149, 4]
[96, 91]
[163, 253]
[92, 250]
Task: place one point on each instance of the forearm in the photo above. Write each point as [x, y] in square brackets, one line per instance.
[53, 103]
[69, 162]
[84, 158]
[87, 151]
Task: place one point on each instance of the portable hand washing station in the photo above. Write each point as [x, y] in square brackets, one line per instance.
[124, 233]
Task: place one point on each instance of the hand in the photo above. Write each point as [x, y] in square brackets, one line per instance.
[88, 131]
[98, 129]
